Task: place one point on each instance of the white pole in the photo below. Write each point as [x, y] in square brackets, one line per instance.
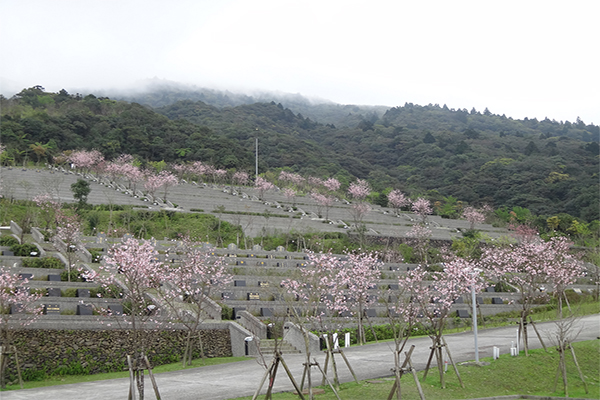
[474, 301]
[256, 159]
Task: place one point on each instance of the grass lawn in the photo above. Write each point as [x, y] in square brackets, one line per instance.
[533, 375]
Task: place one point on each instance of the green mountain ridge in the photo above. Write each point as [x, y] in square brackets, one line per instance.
[546, 166]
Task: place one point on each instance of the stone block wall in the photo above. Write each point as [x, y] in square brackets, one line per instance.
[45, 352]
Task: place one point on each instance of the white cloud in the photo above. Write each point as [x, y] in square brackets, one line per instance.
[533, 58]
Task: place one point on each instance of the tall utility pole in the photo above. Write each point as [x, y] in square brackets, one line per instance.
[256, 162]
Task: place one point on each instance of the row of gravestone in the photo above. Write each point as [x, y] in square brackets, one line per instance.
[82, 309]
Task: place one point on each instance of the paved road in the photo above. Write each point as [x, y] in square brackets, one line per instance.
[242, 378]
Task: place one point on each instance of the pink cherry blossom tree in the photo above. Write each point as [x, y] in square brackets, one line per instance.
[420, 236]
[403, 315]
[262, 185]
[67, 236]
[359, 191]
[360, 273]
[48, 207]
[332, 184]
[191, 282]
[397, 200]
[422, 207]
[474, 216]
[132, 271]
[435, 292]
[322, 201]
[320, 291]
[240, 178]
[18, 308]
[530, 267]
[153, 183]
[167, 180]
[290, 195]
[84, 160]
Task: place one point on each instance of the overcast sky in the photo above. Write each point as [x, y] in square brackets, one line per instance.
[520, 58]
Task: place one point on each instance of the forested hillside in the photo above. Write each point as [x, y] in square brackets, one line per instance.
[546, 166]
[156, 94]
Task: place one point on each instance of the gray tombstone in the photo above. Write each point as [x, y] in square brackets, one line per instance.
[459, 300]
[237, 310]
[370, 313]
[394, 286]
[83, 293]
[101, 237]
[17, 309]
[253, 296]
[266, 312]
[227, 296]
[54, 278]
[239, 283]
[115, 309]
[462, 314]
[84, 309]
[280, 249]
[52, 309]
[497, 300]
[231, 246]
[256, 247]
[53, 292]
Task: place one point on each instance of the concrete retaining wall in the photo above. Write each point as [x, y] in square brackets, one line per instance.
[294, 335]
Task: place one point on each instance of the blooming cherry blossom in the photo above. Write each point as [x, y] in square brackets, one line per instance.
[397, 200]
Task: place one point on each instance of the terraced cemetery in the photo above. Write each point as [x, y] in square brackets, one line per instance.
[255, 295]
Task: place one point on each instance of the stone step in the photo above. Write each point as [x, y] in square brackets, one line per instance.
[268, 346]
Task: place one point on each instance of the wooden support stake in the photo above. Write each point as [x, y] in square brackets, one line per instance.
[1, 364]
[394, 387]
[428, 362]
[328, 382]
[579, 369]
[538, 334]
[415, 377]
[303, 377]
[326, 364]
[287, 370]
[154, 385]
[452, 362]
[262, 382]
[131, 380]
[18, 366]
[272, 380]
[349, 367]
[400, 371]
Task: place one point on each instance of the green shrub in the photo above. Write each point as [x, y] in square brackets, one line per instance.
[75, 276]
[45, 262]
[41, 291]
[8, 240]
[69, 292]
[24, 250]
[226, 312]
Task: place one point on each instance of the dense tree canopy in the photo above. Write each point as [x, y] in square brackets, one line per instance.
[546, 166]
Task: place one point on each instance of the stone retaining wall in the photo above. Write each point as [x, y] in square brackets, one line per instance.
[48, 351]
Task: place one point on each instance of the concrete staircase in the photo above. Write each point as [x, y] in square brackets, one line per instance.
[267, 346]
